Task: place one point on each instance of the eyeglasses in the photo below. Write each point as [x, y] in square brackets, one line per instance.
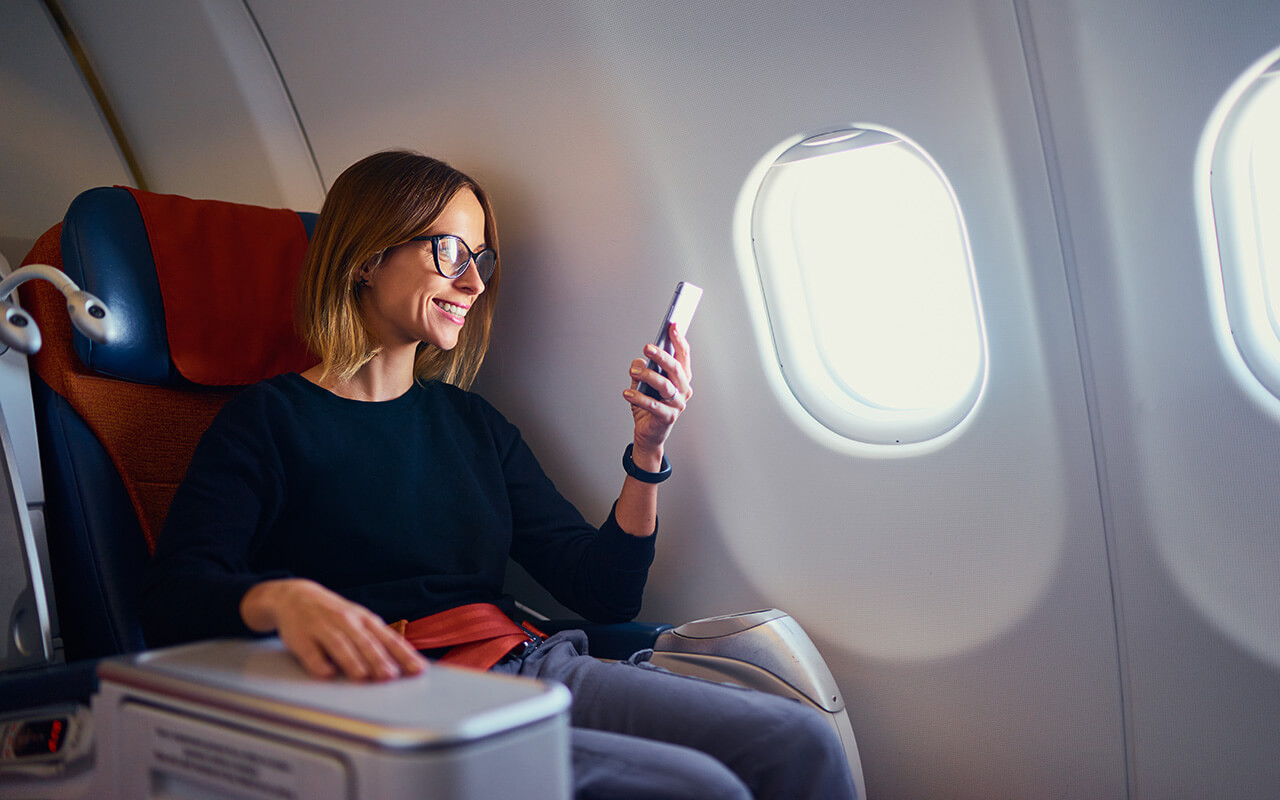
[452, 256]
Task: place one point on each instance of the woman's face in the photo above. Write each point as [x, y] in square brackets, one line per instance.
[407, 301]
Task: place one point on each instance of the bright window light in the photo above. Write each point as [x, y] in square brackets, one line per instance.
[1240, 166]
[871, 303]
[1264, 181]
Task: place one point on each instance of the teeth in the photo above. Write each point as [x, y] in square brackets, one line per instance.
[457, 311]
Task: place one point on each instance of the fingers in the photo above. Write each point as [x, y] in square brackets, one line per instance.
[312, 658]
[332, 636]
[410, 661]
[675, 387]
[665, 409]
[636, 370]
[678, 364]
[374, 656]
[654, 411]
[360, 652]
[335, 648]
[654, 418]
[682, 352]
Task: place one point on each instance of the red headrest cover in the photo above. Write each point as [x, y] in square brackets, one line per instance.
[227, 273]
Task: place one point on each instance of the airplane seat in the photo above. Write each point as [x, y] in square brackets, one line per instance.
[117, 423]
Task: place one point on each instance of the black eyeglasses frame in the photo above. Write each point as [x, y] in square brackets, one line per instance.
[486, 269]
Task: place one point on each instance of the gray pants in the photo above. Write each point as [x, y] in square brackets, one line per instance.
[642, 732]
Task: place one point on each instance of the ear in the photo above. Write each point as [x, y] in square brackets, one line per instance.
[367, 270]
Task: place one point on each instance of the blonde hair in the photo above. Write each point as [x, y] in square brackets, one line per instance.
[379, 202]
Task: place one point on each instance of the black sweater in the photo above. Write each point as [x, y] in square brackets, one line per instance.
[408, 507]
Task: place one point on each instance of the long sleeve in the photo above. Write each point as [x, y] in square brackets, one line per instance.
[599, 574]
[200, 570]
[407, 507]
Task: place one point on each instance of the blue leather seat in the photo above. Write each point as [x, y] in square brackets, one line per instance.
[96, 542]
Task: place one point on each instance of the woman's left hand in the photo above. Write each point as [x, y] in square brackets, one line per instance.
[654, 418]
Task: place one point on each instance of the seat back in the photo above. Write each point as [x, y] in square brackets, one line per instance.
[203, 293]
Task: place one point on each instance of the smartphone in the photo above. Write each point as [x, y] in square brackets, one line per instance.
[683, 303]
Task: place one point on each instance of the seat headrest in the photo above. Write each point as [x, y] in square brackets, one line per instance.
[202, 289]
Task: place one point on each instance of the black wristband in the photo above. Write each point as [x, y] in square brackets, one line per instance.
[641, 475]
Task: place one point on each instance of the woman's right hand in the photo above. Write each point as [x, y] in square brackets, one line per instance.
[328, 633]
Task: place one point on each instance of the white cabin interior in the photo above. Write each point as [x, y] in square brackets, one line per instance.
[1072, 591]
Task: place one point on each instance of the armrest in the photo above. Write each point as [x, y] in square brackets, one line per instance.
[763, 650]
[248, 708]
[58, 683]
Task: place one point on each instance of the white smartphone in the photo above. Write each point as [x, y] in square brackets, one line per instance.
[683, 303]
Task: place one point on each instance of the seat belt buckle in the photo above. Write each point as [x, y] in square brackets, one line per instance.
[533, 641]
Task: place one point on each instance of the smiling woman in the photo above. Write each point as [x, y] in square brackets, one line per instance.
[368, 490]
[419, 192]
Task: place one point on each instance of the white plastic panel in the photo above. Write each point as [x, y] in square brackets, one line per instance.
[53, 143]
[199, 99]
[1190, 453]
[193, 757]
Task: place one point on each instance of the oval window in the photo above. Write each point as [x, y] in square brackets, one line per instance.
[868, 286]
[1239, 205]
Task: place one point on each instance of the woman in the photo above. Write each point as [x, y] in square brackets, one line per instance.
[371, 487]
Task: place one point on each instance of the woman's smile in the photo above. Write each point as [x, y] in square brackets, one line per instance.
[452, 310]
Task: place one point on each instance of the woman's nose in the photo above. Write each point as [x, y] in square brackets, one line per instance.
[469, 280]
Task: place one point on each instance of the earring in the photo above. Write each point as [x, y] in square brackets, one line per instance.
[362, 282]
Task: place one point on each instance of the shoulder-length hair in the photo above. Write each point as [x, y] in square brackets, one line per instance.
[379, 202]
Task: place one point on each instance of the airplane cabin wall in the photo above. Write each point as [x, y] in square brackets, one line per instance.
[53, 145]
[1190, 460]
[967, 597]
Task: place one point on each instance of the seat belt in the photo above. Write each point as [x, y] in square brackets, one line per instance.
[478, 635]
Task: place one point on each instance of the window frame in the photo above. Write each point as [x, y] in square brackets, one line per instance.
[817, 402]
[1244, 320]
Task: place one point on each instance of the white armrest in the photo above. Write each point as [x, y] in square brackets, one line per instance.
[763, 650]
[241, 719]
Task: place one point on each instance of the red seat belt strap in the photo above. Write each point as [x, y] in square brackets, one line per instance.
[478, 635]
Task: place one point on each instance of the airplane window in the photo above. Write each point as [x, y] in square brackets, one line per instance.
[862, 255]
[1240, 162]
